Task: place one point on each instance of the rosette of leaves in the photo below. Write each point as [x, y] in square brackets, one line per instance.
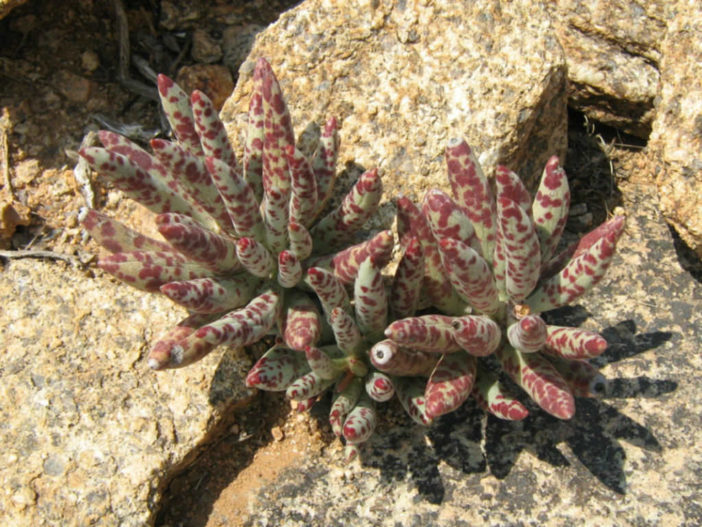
[245, 243]
[491, 268]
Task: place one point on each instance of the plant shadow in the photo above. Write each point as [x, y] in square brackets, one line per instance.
[470, 443]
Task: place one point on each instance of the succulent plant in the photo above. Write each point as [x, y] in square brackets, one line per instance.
[251, 251]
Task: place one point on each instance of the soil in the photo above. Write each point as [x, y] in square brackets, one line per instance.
[59, 65]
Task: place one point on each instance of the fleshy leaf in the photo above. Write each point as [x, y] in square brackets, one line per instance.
[550, 207]
[198, 244]
[390, 358]
[469, 274]
[407, 282]
[212, 294]
[360, 422]
[370, 300]
[539, 379]
[472, 192]
[379, 387]
[176, 106]
[432, 333]
[493, 397]
[521, 247]
[277, 369]
[450, 384]
[527, 334]
[478, 335]
[117, 237]
[354, 210]
[576, 278]
[573, 343]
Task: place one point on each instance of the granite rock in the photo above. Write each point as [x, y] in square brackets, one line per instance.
[613, 54]
[675, 145]
[90, 434]
[404, 77]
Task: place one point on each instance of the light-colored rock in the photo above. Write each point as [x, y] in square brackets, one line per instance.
[613, 52]
[89, 433]
[675, 145]
[404, 77]
[8, 5]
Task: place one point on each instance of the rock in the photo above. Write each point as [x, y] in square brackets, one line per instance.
[404, 77]
[90, 434]
[12, 214]
[206, 48]
[73, 87]
[212, 79]
[236, 44]
[675, 145]
[613, 52]
[8, 5]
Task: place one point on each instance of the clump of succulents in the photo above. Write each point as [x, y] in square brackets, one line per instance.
[251, 252]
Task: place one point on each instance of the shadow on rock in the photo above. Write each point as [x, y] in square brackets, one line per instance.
[470, 443]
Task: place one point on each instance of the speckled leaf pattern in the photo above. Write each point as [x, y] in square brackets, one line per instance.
[198, 244]
[289, 269]
[344, 401]
[345, 264]
[521, 247]
[432, 333]
[582, 273]
[277, 369]
[583, 378]
[472, 192]
[213, 136]
[303, 199]
[275, 219]
[140, 185]
[117, 237]
[379, 387]
[450, 384]
[324, 162]
[238, 328]
[407, 282]
[300, 241]
[410, 392]
[573, 343]
[550, 207]
[254, 257]
[447, 220]
[329, 289]
[348, 336]
[238, 198]
[149, 270]
[370, 299]
[354, 210]
[176, 106]
[301, 321]
[277, 126]
[539, 379]
[388, 357]
[493, 397]
[253, 147]
[469, 274]
[478, 335]
[161, 350]
[309, 385]
[360, 422]
[528, 334]
[436, 285]
[212, 294]
[509, 185]
[192, 175]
